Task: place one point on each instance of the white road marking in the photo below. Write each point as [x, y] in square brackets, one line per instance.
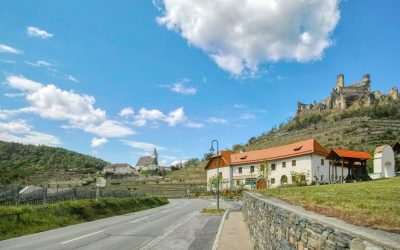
[166, 211]
[134, 221]
[169, 230]
[64, 242]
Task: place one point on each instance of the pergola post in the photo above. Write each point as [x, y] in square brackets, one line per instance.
[342, 169]
[329, 168]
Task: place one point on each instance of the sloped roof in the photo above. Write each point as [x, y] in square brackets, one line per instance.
[119, 165]
[352, 154]
[146, 161]
[281, 152]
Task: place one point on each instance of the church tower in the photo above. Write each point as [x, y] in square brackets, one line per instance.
[154, 155]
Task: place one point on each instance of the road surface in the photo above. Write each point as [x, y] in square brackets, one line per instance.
[177, 225]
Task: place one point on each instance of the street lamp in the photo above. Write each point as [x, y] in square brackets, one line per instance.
[212, 151]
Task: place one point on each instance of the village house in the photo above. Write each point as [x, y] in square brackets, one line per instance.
[148, 162]
[121, 168]
[276, 166]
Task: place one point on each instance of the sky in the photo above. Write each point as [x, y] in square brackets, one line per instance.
[114, 79]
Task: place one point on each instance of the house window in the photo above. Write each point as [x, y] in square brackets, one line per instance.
[220, 174]
[251, 169]
[262, 167]
[284, 164]
[272, 180]
[322, 162]
[322, 177]
[237, 183]
[293, 163]
[240, 170]
[273, 166]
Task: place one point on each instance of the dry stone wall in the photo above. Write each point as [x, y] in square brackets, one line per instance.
[275, 224]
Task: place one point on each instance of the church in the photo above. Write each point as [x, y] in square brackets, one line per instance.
[148, 162]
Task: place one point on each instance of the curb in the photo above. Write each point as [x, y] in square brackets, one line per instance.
[216, 242]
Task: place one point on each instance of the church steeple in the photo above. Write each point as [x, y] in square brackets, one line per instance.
[154, 155]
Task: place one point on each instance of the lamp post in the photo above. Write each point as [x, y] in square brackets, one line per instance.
[212, 151]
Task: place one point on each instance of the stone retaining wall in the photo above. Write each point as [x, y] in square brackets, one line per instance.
[275, 224]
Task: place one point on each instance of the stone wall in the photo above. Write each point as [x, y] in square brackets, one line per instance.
[275, 224]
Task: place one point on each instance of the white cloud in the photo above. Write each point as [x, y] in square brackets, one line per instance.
[172, 119]
[179, 87]
[239, 35]
[7, 49]
[53, 103]
[39, 63]
[126, 112]
[36, 32]
[21, 83]
[148, 115]
[147, 147]
[72, 78]
[12, 95]
[97, 142]
[178, 162]
[175, 117]
[21, 131]
[239, 106]
[247, 116]
[217, 120]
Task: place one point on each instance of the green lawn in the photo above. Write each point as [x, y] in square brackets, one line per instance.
[33, 219]
[374, 204]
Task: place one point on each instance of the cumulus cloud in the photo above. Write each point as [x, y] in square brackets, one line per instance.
[7, 49]
[241, 34]
[172, 119]
[125, 112]
[97, 142]
[179, 87]
[145, 146]
[21, 131]
[50, 102]
[36, 32]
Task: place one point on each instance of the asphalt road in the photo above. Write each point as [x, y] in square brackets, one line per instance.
[178, 225]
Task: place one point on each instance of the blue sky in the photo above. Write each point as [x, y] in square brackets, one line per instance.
[114, 79]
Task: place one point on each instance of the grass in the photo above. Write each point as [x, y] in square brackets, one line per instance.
[373, 204]
[35, 219]
[212, 211]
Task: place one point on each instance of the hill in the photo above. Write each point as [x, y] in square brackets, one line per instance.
[21, 163]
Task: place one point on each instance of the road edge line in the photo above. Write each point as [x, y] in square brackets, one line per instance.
[216, 241]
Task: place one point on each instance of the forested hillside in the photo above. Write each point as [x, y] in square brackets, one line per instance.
[19, 161]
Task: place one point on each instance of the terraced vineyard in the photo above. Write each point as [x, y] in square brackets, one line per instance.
[359, 133]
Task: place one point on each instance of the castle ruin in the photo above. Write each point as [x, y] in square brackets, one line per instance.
[343, 97]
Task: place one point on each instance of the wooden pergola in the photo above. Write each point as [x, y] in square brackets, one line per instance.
[355, 161]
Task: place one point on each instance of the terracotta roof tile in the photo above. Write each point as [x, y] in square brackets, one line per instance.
[352, 154]
[281, 152]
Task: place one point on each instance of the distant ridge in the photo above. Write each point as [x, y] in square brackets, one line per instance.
[19, 163]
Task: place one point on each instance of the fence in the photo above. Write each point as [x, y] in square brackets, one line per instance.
[42, 195]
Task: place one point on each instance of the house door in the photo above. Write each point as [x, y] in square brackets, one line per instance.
[261, 184]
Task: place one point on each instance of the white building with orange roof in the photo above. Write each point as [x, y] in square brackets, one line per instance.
[271, 167]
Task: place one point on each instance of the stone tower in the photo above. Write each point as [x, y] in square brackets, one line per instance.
[367, 81]
[339, 82]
